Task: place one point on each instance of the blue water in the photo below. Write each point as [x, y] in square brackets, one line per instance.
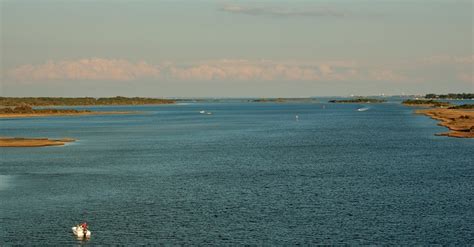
[248, 174]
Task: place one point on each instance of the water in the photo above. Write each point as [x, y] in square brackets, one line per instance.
[248, 174]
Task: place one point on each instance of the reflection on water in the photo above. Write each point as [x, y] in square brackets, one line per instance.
[247, 175]
[5, 181]
[82, 238]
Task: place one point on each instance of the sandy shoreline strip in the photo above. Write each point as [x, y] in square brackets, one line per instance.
[26, 115]
[459, 122]
[419, 105]
[32, 142]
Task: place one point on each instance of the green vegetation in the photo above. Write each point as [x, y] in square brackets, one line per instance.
[426, 103]
[26, 109]
[279, 100]
[450, 96]
[358, 100]
[282, 100]
[50, 101]
[465, 106]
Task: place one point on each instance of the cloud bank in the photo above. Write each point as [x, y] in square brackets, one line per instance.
[85, 69]
[445, 59]
[100, 69]
[264, 70]
[456, 68]
[281, 12]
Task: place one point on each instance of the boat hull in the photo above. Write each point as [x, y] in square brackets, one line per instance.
[80, 233]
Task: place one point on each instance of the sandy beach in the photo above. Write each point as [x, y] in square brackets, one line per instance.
[49, 114]
[32, 142]
[459, 122]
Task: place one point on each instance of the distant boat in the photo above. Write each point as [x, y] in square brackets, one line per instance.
[363, 109]
[205, 112]
[297, 118]
[78, 232]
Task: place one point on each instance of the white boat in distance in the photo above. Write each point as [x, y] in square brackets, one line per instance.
[205, 112]
[363, 109]
[78, 232]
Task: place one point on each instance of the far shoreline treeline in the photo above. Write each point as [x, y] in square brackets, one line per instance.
[425, 102]
[450, 96]
[63, 101]
[433, 103]
[358, 100]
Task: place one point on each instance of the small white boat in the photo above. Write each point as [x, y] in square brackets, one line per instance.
[363, 109]
[209, 113]
[79, 232]
[202, 112]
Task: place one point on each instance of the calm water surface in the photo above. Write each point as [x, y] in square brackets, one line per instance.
[248, 174]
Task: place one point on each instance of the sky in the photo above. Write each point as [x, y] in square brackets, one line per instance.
[192, 48]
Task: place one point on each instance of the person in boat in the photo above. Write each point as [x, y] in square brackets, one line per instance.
[84, 228]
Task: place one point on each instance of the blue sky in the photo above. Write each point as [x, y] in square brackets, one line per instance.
[235, 48]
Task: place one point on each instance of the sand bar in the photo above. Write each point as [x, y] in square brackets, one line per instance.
[32, 142]
[459, 122]
[26, 115]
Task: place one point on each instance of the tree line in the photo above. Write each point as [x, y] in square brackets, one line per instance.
[51, 101]
[450, 96]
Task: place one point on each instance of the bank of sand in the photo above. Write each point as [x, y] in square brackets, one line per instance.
[43, 142]
[50, 114]
[32, 142]
[459, 122]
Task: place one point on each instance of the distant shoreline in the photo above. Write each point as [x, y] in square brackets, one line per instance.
[57, 106]
[32, 142]
[80, 101]
[358, 101]
[27, 115]
[28, 111]
[426, 103]
[419, 105]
